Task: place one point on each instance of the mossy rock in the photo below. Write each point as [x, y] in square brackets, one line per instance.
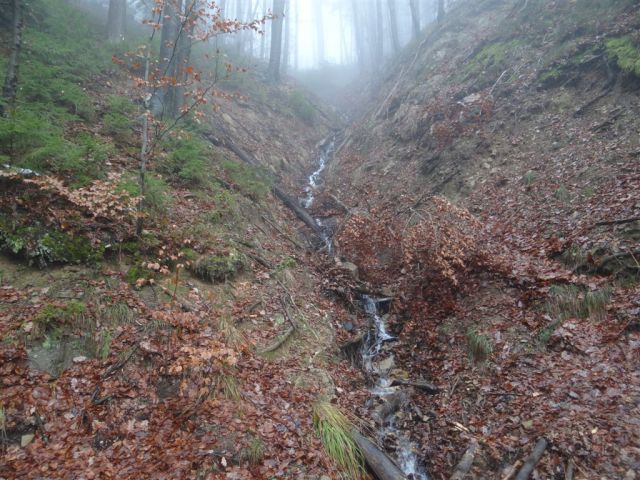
[44, 246]
[137, 272]
[219, 268]
[626, 53]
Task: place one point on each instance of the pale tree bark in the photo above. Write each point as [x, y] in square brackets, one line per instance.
[415, 17]
[164, 100]
[287, 36]
[10, 88]
[276, 41]
[319, 23]
[296, 25]
[183, 56]
[240, 36]
[116, 20]
[393, 22]
[380, 30]
[359, 35]
[263, 37]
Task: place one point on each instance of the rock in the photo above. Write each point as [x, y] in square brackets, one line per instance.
[630, 475]
[399, 373]
[26, 439]
[386, 364]
[386, 292]
[79, 359]
[351, 268]
[348, 326]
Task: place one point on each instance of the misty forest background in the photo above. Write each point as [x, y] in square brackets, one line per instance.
[318, 239]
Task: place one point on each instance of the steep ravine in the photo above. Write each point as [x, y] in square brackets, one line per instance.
[375, 354]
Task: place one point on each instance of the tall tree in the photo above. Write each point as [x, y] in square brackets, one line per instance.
[415, 17]
[276, 41]
[319, 24]
[116, 20]
[358, 33]
[287, 36]
[379, 29]
[440, 14]
[10, 88]
[167, 56]
[265, 33]
[393, 21]
[296, 43]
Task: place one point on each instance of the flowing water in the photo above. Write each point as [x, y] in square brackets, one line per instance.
[325, 154]
[377, 360]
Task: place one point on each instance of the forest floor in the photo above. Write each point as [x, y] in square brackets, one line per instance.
[202, 349]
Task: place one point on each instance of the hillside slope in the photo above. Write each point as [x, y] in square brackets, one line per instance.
[493, 188]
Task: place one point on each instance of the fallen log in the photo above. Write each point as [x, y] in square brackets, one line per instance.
[286, 199]
[378, 461]
[424, 386]
[466, 462]
[532, 460]
[300, 212]
[618, 222]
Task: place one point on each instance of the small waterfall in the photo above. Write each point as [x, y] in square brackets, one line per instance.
[379, 368]
[372, 347]
[326, 153]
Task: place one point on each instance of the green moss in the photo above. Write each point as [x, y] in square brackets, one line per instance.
[251, 181]
[63, 248]
[302, 107]
[287, 263]
[219, 268]
[136, 273]
[189, 254]
[52, 316]
[626, 53]
[42, 245]
[492, 59]
[156, 198]
[186, 159]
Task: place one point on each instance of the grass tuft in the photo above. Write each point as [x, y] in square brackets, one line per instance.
[227, 386]
[571, 301]
[334, 430]
[254, 452]
[480, 346]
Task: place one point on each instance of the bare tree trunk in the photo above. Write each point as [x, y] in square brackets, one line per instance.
[393, 21]
[164, 103]
[276, 41]
[287, 36]
[358, 35]
[263, 38]
[183, 56]
[415, 17]
[379, 31]
[440, 15]
[144, 150]
[296, 45]
[116, 20]
[319, 33]
[240, 36]
[10, 88]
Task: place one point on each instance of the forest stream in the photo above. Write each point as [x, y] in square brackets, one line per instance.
[376, 357]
